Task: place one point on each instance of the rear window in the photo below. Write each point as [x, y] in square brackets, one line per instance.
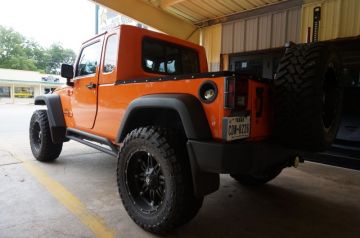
[161, 57]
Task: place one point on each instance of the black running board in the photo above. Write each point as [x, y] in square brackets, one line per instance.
[89, 139]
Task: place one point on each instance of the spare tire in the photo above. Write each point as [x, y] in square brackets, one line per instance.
[308, 96]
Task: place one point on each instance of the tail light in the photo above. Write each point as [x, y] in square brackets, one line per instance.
[235, 94]
[229, 93]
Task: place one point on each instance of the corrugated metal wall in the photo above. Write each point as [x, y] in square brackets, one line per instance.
[339, 18]
[210, 38]
[266, 31]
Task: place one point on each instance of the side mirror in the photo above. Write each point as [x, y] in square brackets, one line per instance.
[67, 71]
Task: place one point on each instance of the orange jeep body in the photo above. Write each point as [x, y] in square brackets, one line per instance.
[227, 134]
[100, 110]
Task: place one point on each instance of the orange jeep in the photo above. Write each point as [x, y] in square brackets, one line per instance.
[148, 99]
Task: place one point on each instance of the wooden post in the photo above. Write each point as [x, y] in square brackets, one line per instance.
[224, 62]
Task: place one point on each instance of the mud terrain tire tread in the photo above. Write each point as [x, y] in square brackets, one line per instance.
[47, 151]
[180, 204]
[298, 89]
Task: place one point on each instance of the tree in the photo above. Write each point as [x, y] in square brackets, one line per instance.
[12, 51]
[57, 55]
[37, 53]
[18, 52]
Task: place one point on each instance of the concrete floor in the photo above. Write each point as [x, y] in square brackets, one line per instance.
[312, 201]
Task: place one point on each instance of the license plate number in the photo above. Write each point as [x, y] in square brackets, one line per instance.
[236, 128]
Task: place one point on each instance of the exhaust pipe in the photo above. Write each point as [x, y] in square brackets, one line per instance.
[295, 162]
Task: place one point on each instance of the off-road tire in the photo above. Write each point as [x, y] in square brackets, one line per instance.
[41, 143]
[179, 205]
[308, 96]
[258, 179]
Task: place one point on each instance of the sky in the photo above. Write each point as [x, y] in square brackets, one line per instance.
[69, 22]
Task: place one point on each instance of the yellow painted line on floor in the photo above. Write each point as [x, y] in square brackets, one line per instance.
[70, 201]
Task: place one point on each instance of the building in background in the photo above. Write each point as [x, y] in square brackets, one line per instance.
[107, 19]
[19, 86]
[253, 41]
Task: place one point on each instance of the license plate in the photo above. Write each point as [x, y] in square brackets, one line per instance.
[236, 128]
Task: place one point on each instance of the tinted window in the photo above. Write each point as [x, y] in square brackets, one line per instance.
[89, 59]
[4, 92]
[165, 58]
[111, 53]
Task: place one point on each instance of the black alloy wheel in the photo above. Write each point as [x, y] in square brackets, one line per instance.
[145, 181]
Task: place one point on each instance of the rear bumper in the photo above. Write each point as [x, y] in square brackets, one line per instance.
[239, 157]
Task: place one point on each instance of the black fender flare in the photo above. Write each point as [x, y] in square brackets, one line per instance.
[188, 107]
[195, 124]
[55, 116]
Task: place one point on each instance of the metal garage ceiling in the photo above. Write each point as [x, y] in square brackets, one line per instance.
[199, 11]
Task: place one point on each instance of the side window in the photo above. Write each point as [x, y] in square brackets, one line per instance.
[167, 58]
[89, 59]
[111, 53]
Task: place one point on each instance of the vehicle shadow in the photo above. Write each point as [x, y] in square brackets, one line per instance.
[289, 206]
[271, 211]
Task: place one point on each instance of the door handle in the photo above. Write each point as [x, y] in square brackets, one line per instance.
[91, 85]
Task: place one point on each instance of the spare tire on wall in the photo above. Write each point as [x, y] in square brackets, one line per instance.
[308, 96]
